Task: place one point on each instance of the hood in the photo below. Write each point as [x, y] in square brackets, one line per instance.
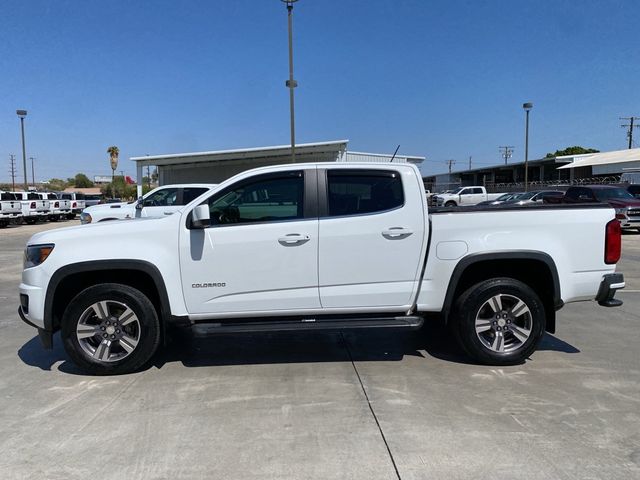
[117, 230]
[104, 206]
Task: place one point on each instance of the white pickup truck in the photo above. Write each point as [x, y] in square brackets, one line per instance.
[463, 196]
[34, 208]
[58, 208]
[318, 246]
[10, 209]
[78, 203]
[158, 202]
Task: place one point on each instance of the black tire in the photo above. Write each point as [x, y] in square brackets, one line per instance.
[475, 304]
[54, 218]
[148, 329]
[4, 224]
[451, 203]
[30, 221]
[71, 216]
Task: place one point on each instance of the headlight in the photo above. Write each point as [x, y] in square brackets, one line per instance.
[85, 218]
[34, 255]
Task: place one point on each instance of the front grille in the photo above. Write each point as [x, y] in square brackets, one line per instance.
[633, 212]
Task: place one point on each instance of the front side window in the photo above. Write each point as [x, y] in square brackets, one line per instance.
[355, 192]
[272, 199]
[165, 197]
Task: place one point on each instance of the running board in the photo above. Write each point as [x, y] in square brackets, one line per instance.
[404, 322]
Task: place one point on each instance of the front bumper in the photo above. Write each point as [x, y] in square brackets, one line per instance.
[610, 283]
[46, 337]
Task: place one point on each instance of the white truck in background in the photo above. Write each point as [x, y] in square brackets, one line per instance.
[315, 247]
[158, 202]
[34, 208]
[58, 208]
[464, 196]
[78, 203]
[10, 209]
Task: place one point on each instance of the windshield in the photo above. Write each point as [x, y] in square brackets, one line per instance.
[607, 193]
[524, 196]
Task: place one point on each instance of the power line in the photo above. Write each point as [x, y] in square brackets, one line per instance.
[629, 126]
[506, 152]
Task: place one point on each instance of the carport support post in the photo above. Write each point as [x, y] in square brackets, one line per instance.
[527, 107]
[291, 83]
[139, 179]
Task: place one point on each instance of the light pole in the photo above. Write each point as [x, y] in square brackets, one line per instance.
[22, 114]
[33, 173]
[527, 108]
[291, 83]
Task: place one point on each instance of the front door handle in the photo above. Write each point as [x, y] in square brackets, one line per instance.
[396, 233]
[293, 239]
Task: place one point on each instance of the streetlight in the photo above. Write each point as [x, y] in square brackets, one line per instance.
[22, 114]
[527, 108]
[291, 83]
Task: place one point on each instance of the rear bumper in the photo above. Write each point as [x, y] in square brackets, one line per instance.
[610, 283]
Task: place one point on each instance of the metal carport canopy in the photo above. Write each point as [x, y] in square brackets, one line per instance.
[331, 150]
[604, 158]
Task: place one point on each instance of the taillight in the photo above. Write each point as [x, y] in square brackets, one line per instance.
[612, 242]
[56, 205]
[33, 204]
[74, 205]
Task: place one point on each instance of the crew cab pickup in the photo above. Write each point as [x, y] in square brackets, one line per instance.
[58, 208]
[10, 209]
[318, 246]
[158, 202]
[463, 196]
[77, 201]
[34, 208]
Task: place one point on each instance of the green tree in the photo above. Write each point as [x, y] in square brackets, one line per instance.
[57, 184]
[120, 189]
[82, 181]
[575, 150]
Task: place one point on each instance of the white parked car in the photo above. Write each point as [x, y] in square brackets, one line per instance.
[312, 247]
[10, 209]
[34, 208]
[58, 208]
[158, 202]
[464, 196]
[78, 203]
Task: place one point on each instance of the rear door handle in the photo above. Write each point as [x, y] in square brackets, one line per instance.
[396, 233]
[293, 239]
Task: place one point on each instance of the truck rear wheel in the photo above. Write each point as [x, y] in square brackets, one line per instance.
[499, 321]
[110, 329]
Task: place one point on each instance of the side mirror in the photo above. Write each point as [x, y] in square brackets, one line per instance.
[139, 203]
[200, 217]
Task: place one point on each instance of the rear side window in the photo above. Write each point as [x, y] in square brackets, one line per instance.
[356, 192]
[191, 193]
[477, 190]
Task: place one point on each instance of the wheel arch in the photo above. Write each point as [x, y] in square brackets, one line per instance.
[71, 279]
[536, 269]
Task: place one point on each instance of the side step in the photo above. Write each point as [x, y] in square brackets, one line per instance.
[404, 322]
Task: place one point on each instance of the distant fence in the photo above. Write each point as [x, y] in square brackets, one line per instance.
[505, 187]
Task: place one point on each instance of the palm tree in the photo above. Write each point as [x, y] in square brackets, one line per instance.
[113, 152]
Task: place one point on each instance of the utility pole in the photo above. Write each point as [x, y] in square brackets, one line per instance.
[22, 114]
[291, 83]
[506, 152]
[629, 126]
[470, 162]
[450, 163]
[33, 173]
[148, 178]
[12, 159]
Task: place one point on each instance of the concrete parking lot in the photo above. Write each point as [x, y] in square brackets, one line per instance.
[317, 406]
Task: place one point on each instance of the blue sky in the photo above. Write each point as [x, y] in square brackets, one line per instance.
[444, 79]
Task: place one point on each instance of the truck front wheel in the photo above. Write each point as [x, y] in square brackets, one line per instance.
[451, 203]
[499, 321]
[110, 329]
